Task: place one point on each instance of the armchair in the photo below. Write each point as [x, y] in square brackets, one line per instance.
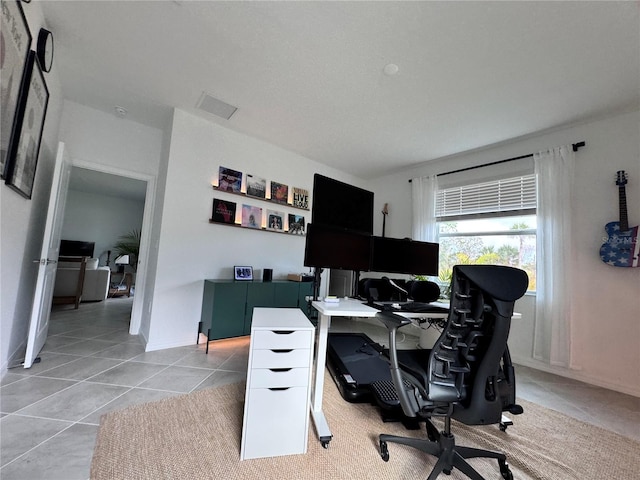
[461, 377]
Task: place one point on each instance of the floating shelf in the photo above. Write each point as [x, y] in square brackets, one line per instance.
[268, 200]
[261, 229]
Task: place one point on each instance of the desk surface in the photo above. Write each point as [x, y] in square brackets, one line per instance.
[346, 307]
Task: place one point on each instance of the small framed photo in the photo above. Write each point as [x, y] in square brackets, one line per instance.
[242, 273]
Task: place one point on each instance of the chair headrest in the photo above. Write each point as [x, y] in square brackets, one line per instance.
[503, 283]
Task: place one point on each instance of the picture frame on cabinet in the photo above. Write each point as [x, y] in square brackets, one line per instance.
[243, 273]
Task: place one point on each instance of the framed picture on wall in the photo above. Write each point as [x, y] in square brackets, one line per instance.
[27, 135]
[243, 273]
[15, 39]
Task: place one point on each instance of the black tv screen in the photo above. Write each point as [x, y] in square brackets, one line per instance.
[394, 255]
[327, 247]
[76, 248]
[341, 206]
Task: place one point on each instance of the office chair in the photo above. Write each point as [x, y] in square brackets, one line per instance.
[459, 378]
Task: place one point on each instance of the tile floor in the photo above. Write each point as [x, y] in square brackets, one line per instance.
[91, 365]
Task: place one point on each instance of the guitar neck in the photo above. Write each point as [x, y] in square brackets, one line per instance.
[624, 220]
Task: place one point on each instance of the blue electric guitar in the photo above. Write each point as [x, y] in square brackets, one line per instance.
[622, 248]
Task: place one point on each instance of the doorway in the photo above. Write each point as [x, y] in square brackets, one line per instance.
[103, 204]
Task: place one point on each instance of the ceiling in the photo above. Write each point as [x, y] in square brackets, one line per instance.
[309, 76]
[100, 183]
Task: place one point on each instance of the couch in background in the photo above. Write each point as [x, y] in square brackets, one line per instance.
[96, 280]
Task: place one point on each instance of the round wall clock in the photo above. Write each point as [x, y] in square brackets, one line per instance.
[44, 49]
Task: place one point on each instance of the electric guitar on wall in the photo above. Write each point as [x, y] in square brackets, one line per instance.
[622, 248]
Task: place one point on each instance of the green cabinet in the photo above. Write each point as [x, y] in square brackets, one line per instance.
[227, 306]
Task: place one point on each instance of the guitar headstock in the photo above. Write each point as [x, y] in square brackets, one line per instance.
[621, 178]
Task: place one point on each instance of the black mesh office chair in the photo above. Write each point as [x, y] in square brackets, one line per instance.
[460, 377]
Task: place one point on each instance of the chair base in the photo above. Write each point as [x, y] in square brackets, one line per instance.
[449, 454]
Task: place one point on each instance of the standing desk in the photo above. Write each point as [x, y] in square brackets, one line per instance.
[348, 308]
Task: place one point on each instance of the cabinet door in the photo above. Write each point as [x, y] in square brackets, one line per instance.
[229, 302]
[258, 295]
[306, 290]
[287, 294]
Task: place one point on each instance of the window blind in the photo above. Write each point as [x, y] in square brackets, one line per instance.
[511, 195]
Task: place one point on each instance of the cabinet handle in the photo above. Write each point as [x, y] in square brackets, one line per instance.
[279, 389]
[282, 332]
[280, 369]
[282, 350]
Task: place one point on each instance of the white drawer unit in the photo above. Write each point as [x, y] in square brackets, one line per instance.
[276, 407]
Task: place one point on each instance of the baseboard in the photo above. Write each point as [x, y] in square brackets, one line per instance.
[14, 360]
[575, 375]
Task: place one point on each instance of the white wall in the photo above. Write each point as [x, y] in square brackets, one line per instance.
[22, 222]
[605, 300]
[192, 249]
[101, 219]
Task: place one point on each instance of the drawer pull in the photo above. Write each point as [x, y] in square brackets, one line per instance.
[278, 389]
[282, 332]
[282, 350]
[280, 369]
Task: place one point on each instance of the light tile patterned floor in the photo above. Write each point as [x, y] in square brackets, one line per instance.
[91, 365]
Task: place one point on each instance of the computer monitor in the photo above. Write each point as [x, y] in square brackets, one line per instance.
[341, 206]
[395, 255]
[328, 247]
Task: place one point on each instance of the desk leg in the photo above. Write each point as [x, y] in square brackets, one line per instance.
[319, 420]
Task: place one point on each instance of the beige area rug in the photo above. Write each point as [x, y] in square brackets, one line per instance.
[197, 436]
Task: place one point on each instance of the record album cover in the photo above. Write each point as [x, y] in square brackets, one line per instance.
[300, 197]
[275, 220]
[279, 192]
[223, 211]
[256, 186]
[229, 180]
[296, 224]
[251, 216]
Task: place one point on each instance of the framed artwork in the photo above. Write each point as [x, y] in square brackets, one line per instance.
[279, 192]
[256, 186]
[275, 221]
[229, 180]
[242, 273]
[15, 39]
[27, 135]
[251, 216]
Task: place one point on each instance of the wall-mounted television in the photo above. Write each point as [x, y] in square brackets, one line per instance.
[327, 247]
[341, 206]
[76, 248]
[395, 255]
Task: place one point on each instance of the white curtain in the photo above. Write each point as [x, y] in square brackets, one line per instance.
[554, 175]
[423, 194]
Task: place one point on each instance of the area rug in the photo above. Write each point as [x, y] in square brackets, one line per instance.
[198, 435]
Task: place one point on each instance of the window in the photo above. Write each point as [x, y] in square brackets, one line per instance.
[491, 222]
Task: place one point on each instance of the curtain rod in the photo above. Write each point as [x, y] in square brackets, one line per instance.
[575, 146]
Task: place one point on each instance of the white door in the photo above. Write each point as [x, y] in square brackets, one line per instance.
[41, 309]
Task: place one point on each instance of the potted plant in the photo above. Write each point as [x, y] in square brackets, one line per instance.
[129, 244]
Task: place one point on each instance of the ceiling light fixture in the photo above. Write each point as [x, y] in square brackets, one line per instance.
[120, 111]
[390, 69]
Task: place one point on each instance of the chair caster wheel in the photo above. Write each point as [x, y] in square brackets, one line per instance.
[384, 451]
[503, 427]
[505, 471]
[325, 445]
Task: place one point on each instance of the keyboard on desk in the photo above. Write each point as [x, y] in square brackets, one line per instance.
[410, 307]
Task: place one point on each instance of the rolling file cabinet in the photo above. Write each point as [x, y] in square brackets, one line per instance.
[276, 407]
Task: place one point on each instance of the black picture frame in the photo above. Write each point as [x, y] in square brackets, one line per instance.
[32, 111]
[243, 273]
[16, 39]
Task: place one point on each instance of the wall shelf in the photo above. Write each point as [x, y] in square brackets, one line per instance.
[261, 229]
[251, 197]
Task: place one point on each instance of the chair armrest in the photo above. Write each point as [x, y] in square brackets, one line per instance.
[393, 322]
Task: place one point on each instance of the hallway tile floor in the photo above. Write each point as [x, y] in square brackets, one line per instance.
[90, 365]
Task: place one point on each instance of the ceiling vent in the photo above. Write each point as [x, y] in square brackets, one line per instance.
[216, 107]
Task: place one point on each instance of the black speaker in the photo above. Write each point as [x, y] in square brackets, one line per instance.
[267, 275]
